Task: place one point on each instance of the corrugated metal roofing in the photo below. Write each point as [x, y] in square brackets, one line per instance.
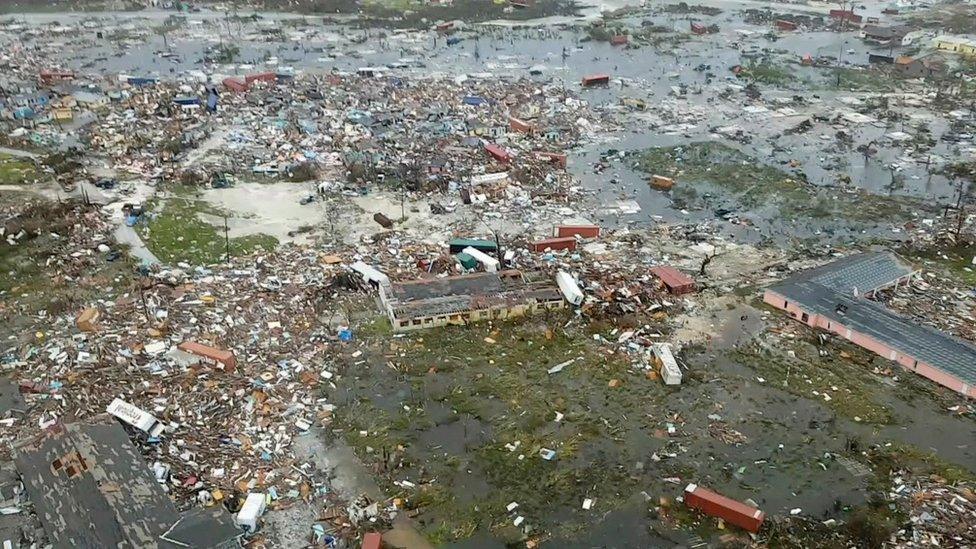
[824, 291]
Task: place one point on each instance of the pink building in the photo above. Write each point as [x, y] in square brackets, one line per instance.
[834, 298]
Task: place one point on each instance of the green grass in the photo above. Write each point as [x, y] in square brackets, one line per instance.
[807, 372]
[897, 456]
[16, 171]
[861, 80]
[705, 166]
[175, 232]
[767, 72]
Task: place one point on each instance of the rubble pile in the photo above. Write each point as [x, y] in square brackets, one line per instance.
[940, 514]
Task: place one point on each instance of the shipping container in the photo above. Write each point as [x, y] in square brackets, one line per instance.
[467, 262]
[251, 511]
[498, 153]
[490, 263]
[210, 355]
[235, 85]
[596, 80]
[666, 364]
[674, 280]
[618, 40]
[519, 125]
[261, 77]
[372, 540]
[563, 243]
[729, 510]
[583, 231]
[136, 417]
[559, 159]
[370, 275]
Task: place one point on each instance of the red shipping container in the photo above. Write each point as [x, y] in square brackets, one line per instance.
[676, 281]
[698, 28]
[784, 25]
[562, 243]
[372, 540]
[262, 76]
[596, 80]
[618, 40]
[729, 510]
[558, 159]
[517, 125]
[584, 231]
[211, 355]
[235, 85]
[498, 153]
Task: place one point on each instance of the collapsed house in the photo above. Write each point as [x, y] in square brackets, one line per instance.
[90, 487]
[470, 298]
[833, 297]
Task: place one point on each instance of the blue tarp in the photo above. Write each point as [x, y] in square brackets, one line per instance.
[474, 100]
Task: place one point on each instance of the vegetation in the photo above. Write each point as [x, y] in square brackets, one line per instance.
[16, 171]
[711, 166]
[176, 232]
[474, 406]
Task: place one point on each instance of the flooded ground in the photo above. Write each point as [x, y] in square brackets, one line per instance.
[543, 429]
[807, 95]
[455, 425]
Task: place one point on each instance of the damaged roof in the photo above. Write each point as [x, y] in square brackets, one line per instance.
[91, 488]
[867, 272]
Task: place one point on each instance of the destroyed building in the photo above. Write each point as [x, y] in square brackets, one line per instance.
[91, 488]
[834, 298]
[462, 299]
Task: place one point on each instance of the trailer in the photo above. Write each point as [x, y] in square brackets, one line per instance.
[136, 417]
[370, 275]
[666, 363]
[490, 263]
[571, 291]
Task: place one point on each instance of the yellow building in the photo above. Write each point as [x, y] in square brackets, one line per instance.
[961, 44]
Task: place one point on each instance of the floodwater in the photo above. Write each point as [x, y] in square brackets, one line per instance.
[647, 73]
[781, 463]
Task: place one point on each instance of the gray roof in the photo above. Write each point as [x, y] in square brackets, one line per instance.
[457, 294]
[201, 527]
[866, 272]
[825, 294]
[11, 400]
[91, 488]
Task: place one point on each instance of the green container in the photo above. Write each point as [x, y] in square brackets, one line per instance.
[466, 261]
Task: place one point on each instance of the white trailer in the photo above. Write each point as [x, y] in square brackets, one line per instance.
[571, 291]
[490, 263]
[370, 275]
[251, 511]
[670, 372]
[136, 417]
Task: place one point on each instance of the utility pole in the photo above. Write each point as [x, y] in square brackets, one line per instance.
[226, 240]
